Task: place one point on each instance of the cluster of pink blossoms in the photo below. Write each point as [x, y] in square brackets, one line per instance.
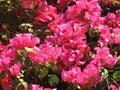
[67, 46]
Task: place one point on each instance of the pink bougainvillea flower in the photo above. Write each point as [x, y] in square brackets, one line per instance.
[9, 53]
[67, 57]
[93, 12]
[72, 74]
[45, 54]
[37, 87]
[103, 58]
[4, 63]
[23, 40]
[56, 22]
[44, 12]
[80, 29]
[90, 76]
[114, 87]
[1, 46]
[34, 87]
[67, 46]
[15, 69]
[49, 89]
[105, 34]
[62, 3]
[78, 9]
[116, 35]
[112, 19]
[6, 83]
[63, 33]
[112, 60]
[79, 44]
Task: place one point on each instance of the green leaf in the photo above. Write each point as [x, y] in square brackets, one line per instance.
[53, 80]
[27, 61]
[52, 66]
[19, 52]
[43, 72]
[16, 84]
[37, 67]
[28, 49]
[47, 65]
[17, 88]
[116, 75]
[25, 84]
[93, 33]
[22, 82]
[105, 73]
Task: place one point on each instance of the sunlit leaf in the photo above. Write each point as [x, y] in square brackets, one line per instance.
[28, 49]
[105, 73]
[115, 75]
[19, 52]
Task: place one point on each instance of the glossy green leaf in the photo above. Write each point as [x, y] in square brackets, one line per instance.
[43, 72]
[53, 80]
[116, 75]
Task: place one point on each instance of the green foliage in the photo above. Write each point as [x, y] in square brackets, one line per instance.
[105, 73]
[20, 82]
[43, 72]
[116, 75]
[19, 52]
[28, 49]
[53, 80]
[52, 66]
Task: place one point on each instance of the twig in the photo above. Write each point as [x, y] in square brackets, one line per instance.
[115, 82]
[108, 84]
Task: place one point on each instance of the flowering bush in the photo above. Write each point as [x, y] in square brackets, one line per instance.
[59, 45]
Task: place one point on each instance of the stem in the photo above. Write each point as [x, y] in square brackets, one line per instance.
[108, 84]
[115, 82]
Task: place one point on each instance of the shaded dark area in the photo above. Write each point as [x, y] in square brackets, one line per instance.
[109, 8]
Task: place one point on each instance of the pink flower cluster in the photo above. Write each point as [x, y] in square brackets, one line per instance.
[67, 46]
[29, 4]
[45, 54]
[86, 78]
[36, 87]
[44, 12]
